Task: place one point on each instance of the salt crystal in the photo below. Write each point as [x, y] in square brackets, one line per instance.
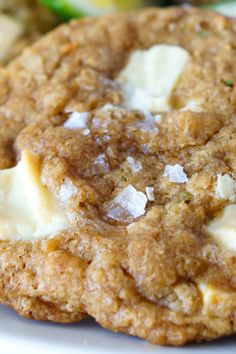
[148, 123]
[101, 164]
[98, 140]
[86, 132]
[66, 191]
[106, 137]
[175, 173]
[135, 166]
[145, 148]
[150, 193]
[96, 122]
[77, 120]
[127, 205]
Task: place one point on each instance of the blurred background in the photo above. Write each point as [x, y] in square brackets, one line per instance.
[24, 21]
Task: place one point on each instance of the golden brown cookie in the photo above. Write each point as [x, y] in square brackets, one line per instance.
[140, 189]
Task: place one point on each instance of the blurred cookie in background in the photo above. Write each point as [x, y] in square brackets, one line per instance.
[24, 21]
[224, 7]
[21, 23]
[67, 9]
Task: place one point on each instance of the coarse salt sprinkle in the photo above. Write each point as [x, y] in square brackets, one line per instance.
[175, 173]
[127, 205]
[150, 193]
[77, 120]
[134, 165]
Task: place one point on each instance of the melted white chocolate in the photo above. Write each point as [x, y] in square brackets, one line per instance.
[27, 209]
[223, 228]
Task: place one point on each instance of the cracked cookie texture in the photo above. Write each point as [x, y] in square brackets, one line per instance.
[159, 276]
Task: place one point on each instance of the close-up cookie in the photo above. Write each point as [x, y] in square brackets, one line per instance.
[118, 175]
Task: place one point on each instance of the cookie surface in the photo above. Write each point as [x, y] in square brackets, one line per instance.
[153, 271]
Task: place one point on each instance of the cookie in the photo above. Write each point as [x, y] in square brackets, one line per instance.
[117, 150]
[21, 23]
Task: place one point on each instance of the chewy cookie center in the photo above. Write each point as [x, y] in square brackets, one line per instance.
[27, 209]
[133, 118]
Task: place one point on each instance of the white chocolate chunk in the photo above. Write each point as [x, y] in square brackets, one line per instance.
[28, 210]
[215, 299]
[175, 173]
[10, 31]
[209, 293]
[223, 228]
[127, 205]
[151, 75]
[225, 187]
[136, 98]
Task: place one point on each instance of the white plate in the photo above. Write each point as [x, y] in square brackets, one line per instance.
[20, 336]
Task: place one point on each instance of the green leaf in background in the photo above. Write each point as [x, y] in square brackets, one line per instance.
[68, 9]
[62, 8]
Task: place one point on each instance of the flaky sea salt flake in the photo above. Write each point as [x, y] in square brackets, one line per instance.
[135, 166]
[175, 173]
[128, 203]
[77, 120]
[101, 164]
[150, 193]
[148, 124]
[86, 132]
